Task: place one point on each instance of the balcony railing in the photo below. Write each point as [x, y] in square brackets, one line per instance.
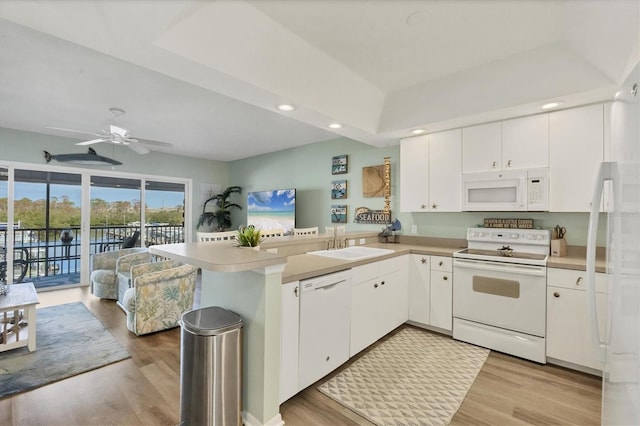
[55, 252]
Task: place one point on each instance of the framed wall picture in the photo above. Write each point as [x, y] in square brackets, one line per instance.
[340, 164]
[338, 189]
[339, 214]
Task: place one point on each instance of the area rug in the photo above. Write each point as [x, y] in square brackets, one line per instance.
[69, 341]
[413, 378]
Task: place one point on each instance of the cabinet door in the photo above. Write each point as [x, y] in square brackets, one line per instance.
[441, 300]
[414, 174]
[419, 296]
[481, 148]
[525, 142]
[445, 171]
[568, 326]
[364, 315]
[289, 338]
[576, 150]
[393, 297]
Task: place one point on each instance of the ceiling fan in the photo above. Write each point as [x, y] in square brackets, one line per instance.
[118, 136]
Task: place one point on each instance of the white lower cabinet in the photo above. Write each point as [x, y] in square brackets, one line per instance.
[431, 291]
[289, 339]
[569, 336]
[378, 304]
[419, 288]
[441, 309]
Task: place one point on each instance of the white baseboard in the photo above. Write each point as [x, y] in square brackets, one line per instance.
[249, 420]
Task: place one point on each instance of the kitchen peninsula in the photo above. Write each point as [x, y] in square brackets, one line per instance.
[247, 282]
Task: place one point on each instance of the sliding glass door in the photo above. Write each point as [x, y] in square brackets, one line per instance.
[47, 214]
[52, 220]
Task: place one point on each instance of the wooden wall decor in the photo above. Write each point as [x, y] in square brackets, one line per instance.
[373, 181]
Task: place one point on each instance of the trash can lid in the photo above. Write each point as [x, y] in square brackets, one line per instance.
[210, 321]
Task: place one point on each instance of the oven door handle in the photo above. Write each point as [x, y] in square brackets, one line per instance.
[537, 271]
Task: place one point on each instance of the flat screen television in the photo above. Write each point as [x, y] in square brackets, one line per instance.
[272, 209]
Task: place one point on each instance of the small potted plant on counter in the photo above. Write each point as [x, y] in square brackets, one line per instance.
[249, 236]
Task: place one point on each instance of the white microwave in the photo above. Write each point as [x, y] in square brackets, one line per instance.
[508, 190]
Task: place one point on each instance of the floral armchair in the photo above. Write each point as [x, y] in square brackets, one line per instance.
[161, 292]
[105, 267]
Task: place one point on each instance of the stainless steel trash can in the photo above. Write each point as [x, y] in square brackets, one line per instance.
[210, 367]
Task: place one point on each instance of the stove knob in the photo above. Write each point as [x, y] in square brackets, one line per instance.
[539, 237]
[514, 236]
[530, 237]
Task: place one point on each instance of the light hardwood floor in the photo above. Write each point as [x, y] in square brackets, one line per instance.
[145, 389]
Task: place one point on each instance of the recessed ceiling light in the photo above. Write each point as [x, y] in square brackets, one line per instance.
[551, 105]
[417, 131]
[335, 125]
[286, 107]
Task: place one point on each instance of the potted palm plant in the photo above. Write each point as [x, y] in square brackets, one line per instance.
[249, 236]
[221, 216]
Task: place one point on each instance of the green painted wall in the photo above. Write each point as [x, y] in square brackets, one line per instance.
[28, 147]
[308, 169]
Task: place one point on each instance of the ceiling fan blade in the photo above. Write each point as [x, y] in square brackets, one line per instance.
[76, 131]
[92, 141]
[156, 144]
[139, 148]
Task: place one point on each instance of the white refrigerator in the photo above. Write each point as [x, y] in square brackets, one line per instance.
[619, 347]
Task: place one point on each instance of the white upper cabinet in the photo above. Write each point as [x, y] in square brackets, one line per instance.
[445, 171]
[414, 174]
[525, 142]
[576, 150]
[482, 148]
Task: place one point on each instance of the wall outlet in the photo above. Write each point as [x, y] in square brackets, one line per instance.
[414, 229]
[352, 242]
[362, 240]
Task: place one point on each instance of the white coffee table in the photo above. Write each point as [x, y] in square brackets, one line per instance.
[20, 296]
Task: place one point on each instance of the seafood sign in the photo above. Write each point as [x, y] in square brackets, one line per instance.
[91, 158]
[366, 215]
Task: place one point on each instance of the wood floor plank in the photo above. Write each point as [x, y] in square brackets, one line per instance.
[145, 389]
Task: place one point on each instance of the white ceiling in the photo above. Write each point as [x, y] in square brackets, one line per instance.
[205, 76]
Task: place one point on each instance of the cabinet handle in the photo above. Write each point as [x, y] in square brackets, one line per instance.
[382, 283]
[375, 285]
[440, 263]
[445, 278]
[509, 163]
[328, 358]
[295, 291]
[495, 164]
[579, 281]
[434, 206]
[424, 206]
[423, 260]
[556, 294]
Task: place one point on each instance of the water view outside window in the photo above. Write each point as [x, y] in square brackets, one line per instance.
[47, 218]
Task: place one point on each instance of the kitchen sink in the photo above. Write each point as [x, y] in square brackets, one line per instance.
[352, 253]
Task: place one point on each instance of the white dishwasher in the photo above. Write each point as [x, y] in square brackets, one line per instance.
[325, 325]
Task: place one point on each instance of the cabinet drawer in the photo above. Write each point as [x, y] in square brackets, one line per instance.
[389, 266]
[441, 263]
[568, 278]
[365, 272]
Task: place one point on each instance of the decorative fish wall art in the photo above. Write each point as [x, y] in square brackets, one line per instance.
[89, 159]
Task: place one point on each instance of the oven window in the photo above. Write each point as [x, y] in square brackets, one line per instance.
[496, 286]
